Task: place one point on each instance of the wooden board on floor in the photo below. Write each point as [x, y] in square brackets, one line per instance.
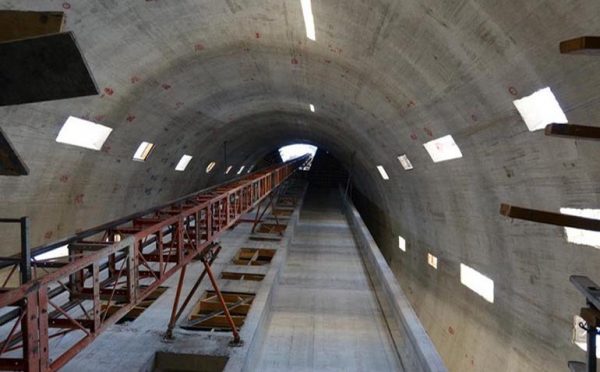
[16, 24]
[42, 69]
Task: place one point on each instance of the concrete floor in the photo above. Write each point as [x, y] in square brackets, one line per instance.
[325, 315]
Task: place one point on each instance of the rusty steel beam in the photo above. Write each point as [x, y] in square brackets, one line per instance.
[150, 248]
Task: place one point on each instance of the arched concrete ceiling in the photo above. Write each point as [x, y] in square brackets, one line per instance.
[385, 77]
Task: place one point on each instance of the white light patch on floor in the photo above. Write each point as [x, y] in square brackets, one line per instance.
[229, 168]
[432, 260]
[383, 173]
[83, 133]
[309, 19]
[183, 163]
[210, 166]
[311, 107]
[57, 252]
[241, 169]
[579, 236]
[443, 149]
[143, 151]
[540, 109]
[406, 164]
[296, 150]
[401, 243]
[477, 282]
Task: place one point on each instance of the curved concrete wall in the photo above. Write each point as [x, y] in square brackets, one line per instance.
[385, 77]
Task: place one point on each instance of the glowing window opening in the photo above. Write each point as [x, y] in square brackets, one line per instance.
[406, 164]
[540, 109]
[580, 336]
[210, 166]
[183, 163]
[443, 149]
[241, 169]
[401, 243]
[432, 260]
[309, 19]
[311, 107]
[579, 236]
[383, 173]
[229, 168]
[143, 151]
[83, 133]
[291, 152]
[477, 282]
[55, 253]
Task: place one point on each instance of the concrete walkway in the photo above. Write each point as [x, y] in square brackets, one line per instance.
[325, 315]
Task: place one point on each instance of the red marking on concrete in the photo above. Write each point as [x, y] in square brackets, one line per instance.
[473, 117]
[66, 6]
[109, 91]
[166, 86]
[513, 91]
[64, 178]
[78, 199]
[258, 35]
[428, 131]
[130, 118]
[451, 330]
[413, 136]
[411, 103]
[48, 234]
[294, 61]
[106, 149]
[135, 79]
[198, 47]
[99, 117]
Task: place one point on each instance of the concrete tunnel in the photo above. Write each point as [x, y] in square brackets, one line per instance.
[233, 81]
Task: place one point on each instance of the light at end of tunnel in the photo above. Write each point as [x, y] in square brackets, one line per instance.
[401, 243]
[183, 163]
[442, 149]
[383, 173]
[143, 151]
[477, 282]
[210, 166]
[579, 236]
[311, 107]
[540, 109]
[309, 20]
[241, 169]
[297, 150]
[229, 168]
[432, 260]
[83, 133]
[406, 164]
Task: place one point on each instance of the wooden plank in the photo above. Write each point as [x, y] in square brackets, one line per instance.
[42, 69]
[589, 45]
[574, 131]
[550, 218]
[11, 163]
[15, 24]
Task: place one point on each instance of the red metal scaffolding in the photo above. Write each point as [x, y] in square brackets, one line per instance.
[109, 273]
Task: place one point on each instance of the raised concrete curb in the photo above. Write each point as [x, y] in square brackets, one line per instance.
[414, 346]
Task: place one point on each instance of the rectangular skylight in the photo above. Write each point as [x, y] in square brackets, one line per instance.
[312, 107]
[401, 243]
[143, 150]
[406, 164]
[432, 260]
[383, 173]
[229, 168]
[241, 169]
[83, 133]
[477, 282]
[579, 236]
[540, 109]
[183, 163]
[309, 20]
[443, 149]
